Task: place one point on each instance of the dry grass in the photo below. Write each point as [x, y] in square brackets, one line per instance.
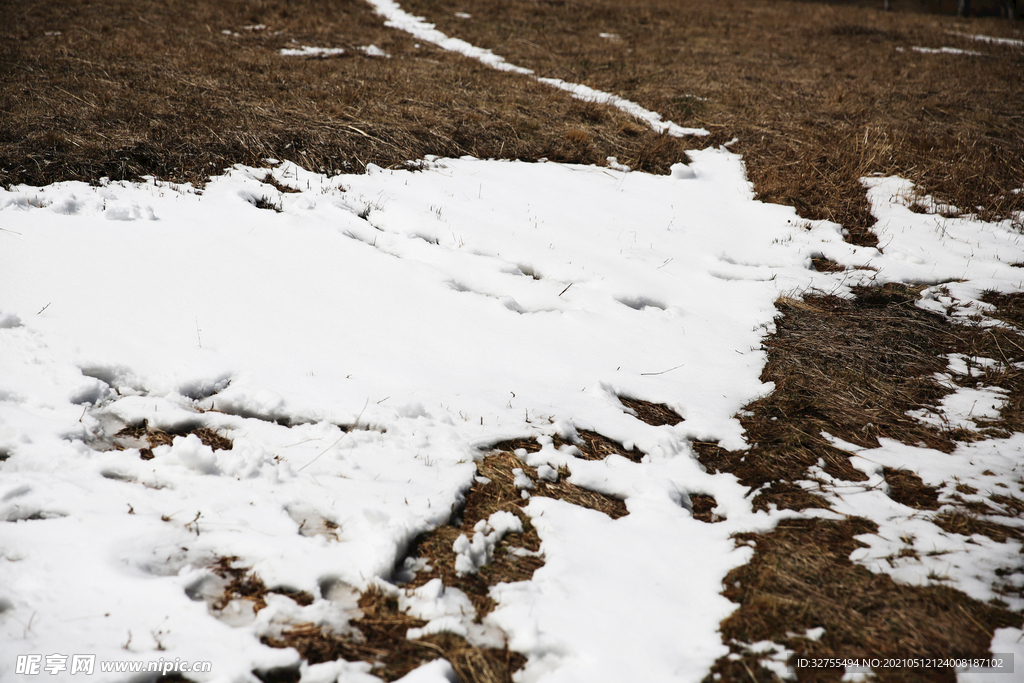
[853, 368]
[654, 414]
[819, 94]
[907, 489]
[380, 639]
[801, 578]
[378, 636]
[483, 500]
[1009, 307]
[245, 585]
[124, 88]
[158, 437]
[816, 92]
[849, 368]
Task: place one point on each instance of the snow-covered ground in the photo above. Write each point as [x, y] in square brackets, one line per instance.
[440, 310]
[363, 340]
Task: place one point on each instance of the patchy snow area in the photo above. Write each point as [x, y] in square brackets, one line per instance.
[908, 545]
[433, 312]
[362, 340]
[429, 313]
[965, 407]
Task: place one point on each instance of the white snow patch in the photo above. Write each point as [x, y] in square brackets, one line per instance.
[947, 51]
[613, 163]
[309, 51]
[471, 555]
[965, 408]
[374, 51]
[908, 545]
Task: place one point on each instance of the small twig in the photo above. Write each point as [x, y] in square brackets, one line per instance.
[974, 621]
[195, 522]
[649, 374]
[566, 289]
[44, 308]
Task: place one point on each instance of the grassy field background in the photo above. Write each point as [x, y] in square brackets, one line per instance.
[817, 94]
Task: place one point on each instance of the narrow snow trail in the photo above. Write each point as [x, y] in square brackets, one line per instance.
[417, 26]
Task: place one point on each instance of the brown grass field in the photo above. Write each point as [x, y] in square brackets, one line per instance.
[818, 95]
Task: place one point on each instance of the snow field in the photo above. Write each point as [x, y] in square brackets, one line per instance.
[361, 347]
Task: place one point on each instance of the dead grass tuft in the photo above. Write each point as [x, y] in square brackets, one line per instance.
[906, 488]
[246, 585]
[157, 437]
[379, 637]
[968, 524]
[701, 508]
[594, 446]
[499, 492]
[826, 265]
[1009, 307]
[654, 414]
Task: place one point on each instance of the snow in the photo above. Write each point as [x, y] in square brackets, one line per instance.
[442, 321]
[471, 555]
[374, 51]
[1011, 42]
[363, 344]
[309, 51]
[429, 312]
[966, 407]
[947, 51]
